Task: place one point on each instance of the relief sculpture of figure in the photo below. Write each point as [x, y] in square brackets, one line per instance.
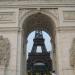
[4, 51]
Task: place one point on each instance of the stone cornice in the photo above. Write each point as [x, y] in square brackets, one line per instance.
[8, 29]
[36, 4]
[61, 28]
[65, 28]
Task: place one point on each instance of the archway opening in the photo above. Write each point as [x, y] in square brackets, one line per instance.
[42, 59]
[38, 21]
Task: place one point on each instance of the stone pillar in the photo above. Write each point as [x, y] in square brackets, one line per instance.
[19, 52]
[2, 70]
[58, 54]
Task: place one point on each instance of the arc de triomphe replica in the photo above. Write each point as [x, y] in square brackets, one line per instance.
[20, 17]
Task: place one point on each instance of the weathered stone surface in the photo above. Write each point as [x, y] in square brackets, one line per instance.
[7, 17]
[72, 53]
[44, 0]
[69, 15]
[4, 51]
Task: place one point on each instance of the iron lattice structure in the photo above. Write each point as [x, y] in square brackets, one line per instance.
[43, 57]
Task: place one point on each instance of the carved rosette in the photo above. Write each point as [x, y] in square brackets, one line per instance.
[72, 54]
[4, 51]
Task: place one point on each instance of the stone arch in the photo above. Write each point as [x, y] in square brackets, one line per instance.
[51, 16]
[41, 21]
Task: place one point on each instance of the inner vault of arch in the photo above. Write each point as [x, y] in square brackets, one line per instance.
[39, 21]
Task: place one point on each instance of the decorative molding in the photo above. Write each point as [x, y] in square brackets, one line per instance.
[72, 53]
[35, 4]
[23, 12]
[4, 51]
[7, 17]
[65, 28]
[9, 29]
[69, 15]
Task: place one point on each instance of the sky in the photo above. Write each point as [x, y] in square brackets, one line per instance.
[30, 42]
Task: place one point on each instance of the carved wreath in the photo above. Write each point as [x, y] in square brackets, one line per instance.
[4, 51]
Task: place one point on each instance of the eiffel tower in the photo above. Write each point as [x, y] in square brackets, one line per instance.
[39, 62]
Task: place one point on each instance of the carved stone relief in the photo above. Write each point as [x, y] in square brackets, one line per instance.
[4, 51]
[72, 53]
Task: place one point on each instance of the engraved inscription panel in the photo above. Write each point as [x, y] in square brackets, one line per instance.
[7, 17]
[69, 15]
